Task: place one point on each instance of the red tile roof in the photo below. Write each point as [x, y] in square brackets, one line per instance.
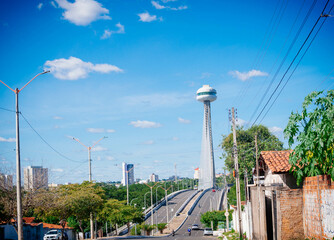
[277, 161]
[28, 219]
[55, 226]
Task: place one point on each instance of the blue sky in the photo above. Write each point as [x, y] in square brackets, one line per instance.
[129, 70]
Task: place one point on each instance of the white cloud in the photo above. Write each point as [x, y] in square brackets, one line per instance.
[159, 100]
[243, 76]
[175, 138]
[185, 121]
[74, 68]
[107, 33]
[146, 17]
[276, 130]
[99, 149]
[57, 118]
[157, 5]
[7, 139]
[149, 142]
[100, 130]
[109, 158]
[240, 122]
[145, 124]
[206, 75]
[57, 170]
[39, 6]
[83, 12]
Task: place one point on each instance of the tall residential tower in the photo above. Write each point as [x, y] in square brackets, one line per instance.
[206, 94]
[128, 174]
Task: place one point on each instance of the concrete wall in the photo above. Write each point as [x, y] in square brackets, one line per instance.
[318, 200]
[290, 214]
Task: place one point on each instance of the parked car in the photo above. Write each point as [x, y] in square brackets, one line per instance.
[213, 190]
[207, 231]
[52, 235]
[55, 235]
[195, 227]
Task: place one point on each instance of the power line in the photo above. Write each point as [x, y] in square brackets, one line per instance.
[60, 154]
[283, 61]
[281, 50]
[8, 110]
[270, 26]
[290, 64]
[296, 66]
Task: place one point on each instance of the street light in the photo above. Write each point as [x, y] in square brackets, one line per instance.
[145, 199]
[132, 200]
[18, 160]
[89, 148]
[151, 201]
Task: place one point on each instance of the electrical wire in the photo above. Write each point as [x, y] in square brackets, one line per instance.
[296, 66]
[260, 50]
[8, 110]
[278, 56]
[283, 63]
[60, 154]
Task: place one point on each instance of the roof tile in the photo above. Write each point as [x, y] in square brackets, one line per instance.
[277, 161]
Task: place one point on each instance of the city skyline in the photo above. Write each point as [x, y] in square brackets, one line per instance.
[129, 71]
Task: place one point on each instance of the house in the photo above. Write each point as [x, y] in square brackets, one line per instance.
[274, 166]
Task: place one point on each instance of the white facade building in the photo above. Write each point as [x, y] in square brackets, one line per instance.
[154, 178]
[6, 181]
[128, 174]
[35, 177]
[196, 173]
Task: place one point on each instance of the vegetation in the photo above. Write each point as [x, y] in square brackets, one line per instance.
[215, 217]
[312, 130]
[246, 147]
[232, 194]
[161, 227]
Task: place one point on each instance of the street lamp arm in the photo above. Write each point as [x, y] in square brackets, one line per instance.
[98, 141]
[8, 86]
[33, 79]
[80, 142]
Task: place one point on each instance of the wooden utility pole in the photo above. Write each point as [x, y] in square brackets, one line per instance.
[236, 168]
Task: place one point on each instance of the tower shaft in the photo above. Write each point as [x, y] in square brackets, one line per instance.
[207, 165]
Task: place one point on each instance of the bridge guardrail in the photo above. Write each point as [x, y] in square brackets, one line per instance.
[197, 200]
[185, 203]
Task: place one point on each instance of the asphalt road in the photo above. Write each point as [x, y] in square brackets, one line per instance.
[173, 205]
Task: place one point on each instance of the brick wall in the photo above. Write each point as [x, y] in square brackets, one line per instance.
[318, 210]
[290, 215]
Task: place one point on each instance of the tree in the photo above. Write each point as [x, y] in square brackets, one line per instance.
[313, 132]
[246, 147]
[161, 227]
[215, 217]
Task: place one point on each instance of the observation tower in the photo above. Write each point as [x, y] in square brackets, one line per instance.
[207, 177]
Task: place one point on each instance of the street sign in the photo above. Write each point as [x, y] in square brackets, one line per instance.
[226, 214]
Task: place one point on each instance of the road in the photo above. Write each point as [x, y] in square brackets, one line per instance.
[173, 205]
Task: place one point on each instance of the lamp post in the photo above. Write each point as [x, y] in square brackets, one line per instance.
[151, 201]
[145, 199]
[132, 200]
[89, 148]
[18, 160]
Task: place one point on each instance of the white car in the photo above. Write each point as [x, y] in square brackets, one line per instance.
[52, 235]
[207, 231]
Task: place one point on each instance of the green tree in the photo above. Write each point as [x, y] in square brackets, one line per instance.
[161, 227]
[215, 217]
[246, 147]
[313, 132]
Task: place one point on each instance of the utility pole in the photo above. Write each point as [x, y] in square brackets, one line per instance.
[258, 184]
[18, 158]
[178, 188]
[236, 167]
[89, 148]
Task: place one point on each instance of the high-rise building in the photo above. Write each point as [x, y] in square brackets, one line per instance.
[35, 177]
[196, 173]
[207, 94]
[128, 174]
[154, 178]
[6, 181]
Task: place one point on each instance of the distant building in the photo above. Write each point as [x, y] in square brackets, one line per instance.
[128, 174]
[154, 178]
[196, 174]
[6, 181]
[35, 177]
